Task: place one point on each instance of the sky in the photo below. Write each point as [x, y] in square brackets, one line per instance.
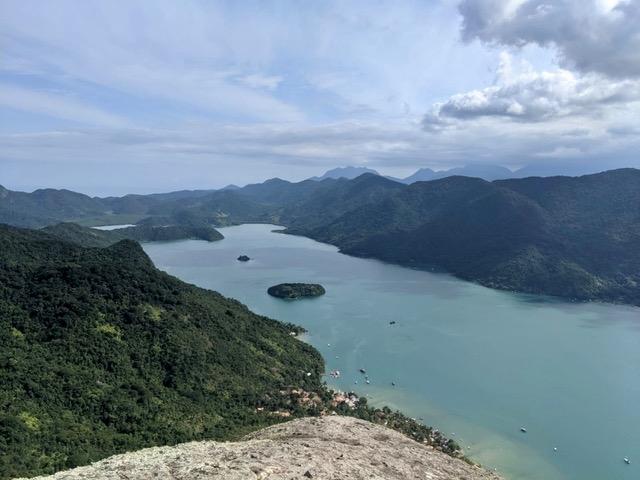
[127, 96]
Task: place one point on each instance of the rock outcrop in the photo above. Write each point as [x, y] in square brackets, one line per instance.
[320, 447]
[296, 290]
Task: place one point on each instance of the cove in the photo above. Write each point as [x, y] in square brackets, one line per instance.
[476, 363]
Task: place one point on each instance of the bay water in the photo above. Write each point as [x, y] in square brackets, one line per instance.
[476, 363]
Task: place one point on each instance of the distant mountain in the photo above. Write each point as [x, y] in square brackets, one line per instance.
[554, 170]
[335, 198]
[50, 206]
[90, 237]
[486, 172]
[46, 206]
[345, 172]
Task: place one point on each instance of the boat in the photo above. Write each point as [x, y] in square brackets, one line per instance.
[523, 430]
[362, 370]
[627, 461]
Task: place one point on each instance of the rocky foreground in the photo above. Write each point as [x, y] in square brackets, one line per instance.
[332, 447]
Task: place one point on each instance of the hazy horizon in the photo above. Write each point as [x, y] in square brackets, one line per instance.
[120, 191]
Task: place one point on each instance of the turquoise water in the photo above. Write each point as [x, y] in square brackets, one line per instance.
[475, 362]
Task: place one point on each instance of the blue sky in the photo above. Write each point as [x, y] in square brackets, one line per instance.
[110, 97]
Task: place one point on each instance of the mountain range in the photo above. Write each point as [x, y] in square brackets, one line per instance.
[486, 172]
[572, 237]
[345, 172]
[575, 237]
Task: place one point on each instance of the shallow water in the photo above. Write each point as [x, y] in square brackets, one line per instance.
[475, 362]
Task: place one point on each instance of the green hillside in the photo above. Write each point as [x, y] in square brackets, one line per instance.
[101, 353]
[91, 237]
[572, 237]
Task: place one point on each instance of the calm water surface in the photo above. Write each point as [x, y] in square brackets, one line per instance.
[474, 362]
[113, 227]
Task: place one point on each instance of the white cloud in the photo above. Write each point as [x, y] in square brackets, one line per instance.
[178, 56]
[598, 36]
[524, 94]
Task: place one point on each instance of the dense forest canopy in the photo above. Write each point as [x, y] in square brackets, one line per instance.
[101, 353]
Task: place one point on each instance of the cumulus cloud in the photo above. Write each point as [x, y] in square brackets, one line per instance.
[589, 35]
[528, 95]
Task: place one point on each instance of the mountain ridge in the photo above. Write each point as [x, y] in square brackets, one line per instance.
[348, 172]
[574, 237]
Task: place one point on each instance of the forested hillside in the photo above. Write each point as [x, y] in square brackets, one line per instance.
[101, 353]
[91, 237]
[572, 237]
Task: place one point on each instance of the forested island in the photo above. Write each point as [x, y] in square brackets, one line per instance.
[296, 290]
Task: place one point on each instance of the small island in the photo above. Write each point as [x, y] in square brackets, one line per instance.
[296, 290]
[243, 258]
